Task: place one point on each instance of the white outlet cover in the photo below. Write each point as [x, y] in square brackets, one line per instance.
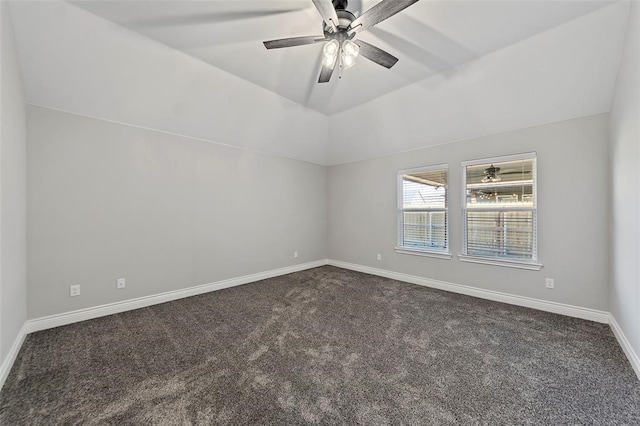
[550, 283]
[379, 257]
[121, 283]
[74, 290]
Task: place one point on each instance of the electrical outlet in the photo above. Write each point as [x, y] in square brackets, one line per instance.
[295, 254]
[120, 283]
[550, 283]
[379, 257]
[74, 290]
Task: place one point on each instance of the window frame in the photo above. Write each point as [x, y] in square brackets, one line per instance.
[400, 248]
[530, 264]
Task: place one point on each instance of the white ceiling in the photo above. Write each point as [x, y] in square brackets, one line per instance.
[429, 37]
[199, 69]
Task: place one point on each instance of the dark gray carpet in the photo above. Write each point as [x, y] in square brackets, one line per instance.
[326, 346]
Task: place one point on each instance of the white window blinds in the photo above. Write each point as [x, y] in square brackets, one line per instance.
[499, 208]
[422, 209]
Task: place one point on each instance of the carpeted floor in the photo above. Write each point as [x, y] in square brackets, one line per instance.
[326, 346]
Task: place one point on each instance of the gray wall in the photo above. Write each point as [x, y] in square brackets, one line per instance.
[573, 218]
[107, 200]
[12, 193]
[625, 167]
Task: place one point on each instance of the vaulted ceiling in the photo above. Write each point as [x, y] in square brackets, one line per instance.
[430, 37]
[198, 68]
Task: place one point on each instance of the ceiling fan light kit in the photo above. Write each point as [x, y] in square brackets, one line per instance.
[349, 54]
[331, 49]
[491, 179]
[340, 28]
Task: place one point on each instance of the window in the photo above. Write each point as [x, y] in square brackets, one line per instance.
[500, 212]
[422, 211]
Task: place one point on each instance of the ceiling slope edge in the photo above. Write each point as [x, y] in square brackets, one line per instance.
[479, 137]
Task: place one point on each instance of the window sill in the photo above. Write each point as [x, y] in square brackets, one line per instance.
[501, 262]
[436, 254]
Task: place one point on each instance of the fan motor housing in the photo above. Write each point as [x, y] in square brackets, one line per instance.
[344, 20]
[340, 4]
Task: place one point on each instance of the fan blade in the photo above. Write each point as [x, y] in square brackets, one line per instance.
[376, 54]
[514, 172]
[290, 42]
[378, 13]
[328, 13]
[327, 70]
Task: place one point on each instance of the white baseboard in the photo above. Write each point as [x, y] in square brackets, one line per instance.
[127, 305]
[113, 308]
[7, 363]
[142, 302]
[542, 305]
[626, 346]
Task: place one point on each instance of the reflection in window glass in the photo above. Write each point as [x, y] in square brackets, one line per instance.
[499, 208]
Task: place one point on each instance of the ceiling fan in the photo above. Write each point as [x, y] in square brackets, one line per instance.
[340, 27]
[492, 173]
